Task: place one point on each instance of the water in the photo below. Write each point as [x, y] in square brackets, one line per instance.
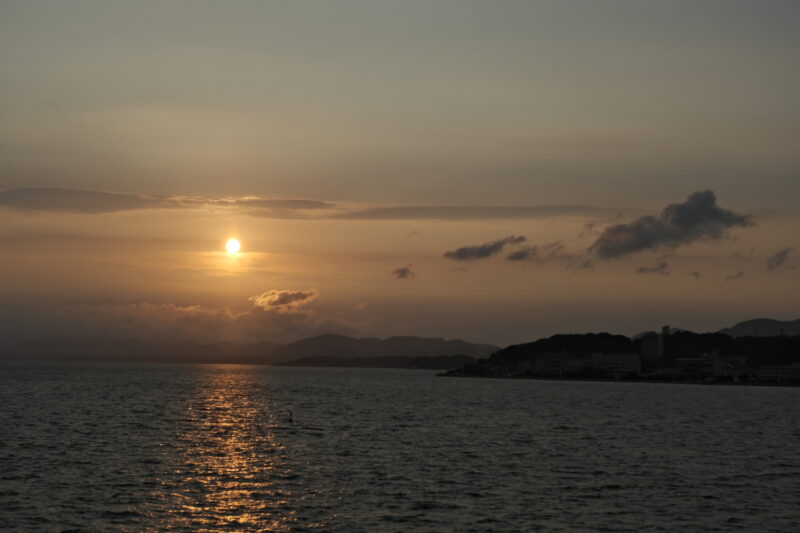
[212, 448]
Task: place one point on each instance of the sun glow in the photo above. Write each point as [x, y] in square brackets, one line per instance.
[233, 246]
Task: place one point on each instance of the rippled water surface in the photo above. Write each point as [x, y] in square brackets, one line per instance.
[248, 448]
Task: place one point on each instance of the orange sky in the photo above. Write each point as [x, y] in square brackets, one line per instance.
[350, 146]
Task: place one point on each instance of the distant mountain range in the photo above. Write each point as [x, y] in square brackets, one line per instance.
[349, 347]
[763, 327]
[757, 327]
[435, 362]
[320, 348]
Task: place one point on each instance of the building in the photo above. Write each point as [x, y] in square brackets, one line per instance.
[549, 365]
[559, 365]
[618, 365]
[780, 372]
[730, 367]
[695, 367]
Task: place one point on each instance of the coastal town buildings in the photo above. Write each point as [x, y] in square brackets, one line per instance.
[618, 365]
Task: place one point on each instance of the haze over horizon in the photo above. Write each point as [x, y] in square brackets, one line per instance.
[444, 169]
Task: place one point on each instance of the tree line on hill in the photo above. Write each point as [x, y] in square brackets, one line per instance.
[677, 354]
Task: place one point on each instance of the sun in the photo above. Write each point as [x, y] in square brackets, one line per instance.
[233, 246]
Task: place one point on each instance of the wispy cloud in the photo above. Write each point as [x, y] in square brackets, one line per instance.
[466, 212]
[553, 252]
[737, 275]
[403, 272]
[99, 202]
[779, 260]
[280, 209]
[79, 201]
[661, 268]
[281, 204]
[482, 251]
[698, 218]
[538, 252]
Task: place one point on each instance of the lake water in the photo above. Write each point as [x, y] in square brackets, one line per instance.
[213, 448]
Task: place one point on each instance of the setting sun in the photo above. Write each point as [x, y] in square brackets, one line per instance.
[233, 246]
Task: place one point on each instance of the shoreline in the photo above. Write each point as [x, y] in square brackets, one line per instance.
[638, 380]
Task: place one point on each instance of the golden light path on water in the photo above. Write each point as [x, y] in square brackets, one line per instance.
[233, 471]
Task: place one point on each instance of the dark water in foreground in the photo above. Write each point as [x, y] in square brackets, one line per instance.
[211, 448]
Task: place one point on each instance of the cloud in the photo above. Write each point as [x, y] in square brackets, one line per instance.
[283, 299]
[403, 272]
[778, 260]
[98, 202]
[280, 209]
[698, 218]
[481, 251]
[742, 254]
[738, 275]
[78, 201]
[661, 268]
[282, 204]
[539, 253]
[467, 212]
[553, 252]
[276, 315]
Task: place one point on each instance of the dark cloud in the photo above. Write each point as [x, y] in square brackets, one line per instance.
[778, 260]
[481, 251]
[661, 268]
[403, 272]
[735, 276]
[526, 254]
[698, 218]
[463, 212]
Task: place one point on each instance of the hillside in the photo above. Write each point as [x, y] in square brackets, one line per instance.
[263, 352]
[763, 327]
[349, 347]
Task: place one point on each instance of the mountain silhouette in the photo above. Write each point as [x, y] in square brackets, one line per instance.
[437, 362]
[262, 352]
[352, 348]
[763, 327]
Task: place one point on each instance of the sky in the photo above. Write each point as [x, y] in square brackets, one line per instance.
[494, 171]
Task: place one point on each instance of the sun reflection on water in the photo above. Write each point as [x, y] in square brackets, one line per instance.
[232, 471]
